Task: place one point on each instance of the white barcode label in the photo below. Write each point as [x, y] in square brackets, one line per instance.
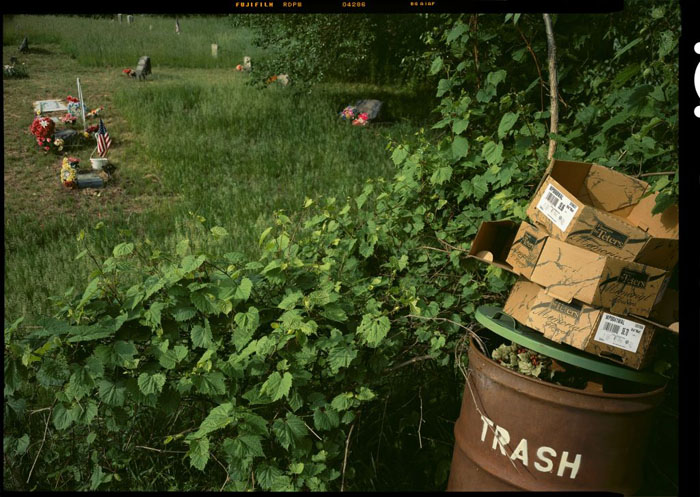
[619, 332]
[559, 208]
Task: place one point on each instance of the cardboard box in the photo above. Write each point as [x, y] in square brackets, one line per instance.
[569, 272]
[492, 243]
[594, 207]
[621, 339]
[574, 273]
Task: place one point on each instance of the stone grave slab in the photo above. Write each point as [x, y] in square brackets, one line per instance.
[143, 68]
[371, 107]
[47, 106]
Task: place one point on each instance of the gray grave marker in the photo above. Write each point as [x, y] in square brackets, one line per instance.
[90, 180]
[129, 19]
[143, 68]
[371, 107]
[24, 47]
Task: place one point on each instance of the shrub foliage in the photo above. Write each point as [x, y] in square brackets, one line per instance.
[201, 370]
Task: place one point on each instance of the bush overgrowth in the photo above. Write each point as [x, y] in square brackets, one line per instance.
[264, 371]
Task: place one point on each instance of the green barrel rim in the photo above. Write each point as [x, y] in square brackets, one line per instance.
[493, 318]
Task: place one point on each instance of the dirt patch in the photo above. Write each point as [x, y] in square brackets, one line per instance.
[31, 176]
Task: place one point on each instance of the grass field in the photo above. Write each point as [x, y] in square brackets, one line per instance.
[194, 138]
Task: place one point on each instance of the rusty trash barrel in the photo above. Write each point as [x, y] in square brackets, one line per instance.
[517, 433]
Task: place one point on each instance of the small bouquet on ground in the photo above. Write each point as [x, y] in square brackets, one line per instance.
[90, 130]
[69, 119]
[361, 120]
[43, 128]
[129, 72]
[14, 71]
[357, 118]
[271, 79]
[348, 113]
[95, 112]
[239, 67]
[69, 172]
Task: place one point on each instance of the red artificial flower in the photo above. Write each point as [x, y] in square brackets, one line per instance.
[127, 71]
[72, 99]
[42, 127]
[239, 67]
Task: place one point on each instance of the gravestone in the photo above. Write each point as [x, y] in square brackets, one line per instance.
[44, 107]
[24, 46]
[246, 63]
[119, 18]
[143, 68]
[129, 19]
[283, 79]
[67, 135]
[214, 50]
[371, 107]
[90, 180]
[13, 60]
[177, 26]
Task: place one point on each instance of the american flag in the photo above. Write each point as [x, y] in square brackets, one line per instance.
[103, 140]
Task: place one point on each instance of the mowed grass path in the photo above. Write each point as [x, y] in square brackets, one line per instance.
[188, 140]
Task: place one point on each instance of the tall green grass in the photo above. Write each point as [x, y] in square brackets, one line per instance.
[100, 41]
[218, 147]
[235, 154]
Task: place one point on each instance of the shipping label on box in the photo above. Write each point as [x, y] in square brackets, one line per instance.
[594, 207]
[621, 339]
[569, 272]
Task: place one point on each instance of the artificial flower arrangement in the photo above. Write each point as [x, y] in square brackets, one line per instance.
[129, 72]
[271, 79]
[69, 172]
[69, 119]
[239, 67]
[74, 107]
[43, 128]
[350, 113]
[95, 112]
[361, 120]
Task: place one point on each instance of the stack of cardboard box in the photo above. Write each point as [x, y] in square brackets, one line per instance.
[594, 263]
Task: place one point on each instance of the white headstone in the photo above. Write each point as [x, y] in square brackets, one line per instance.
[119, 18]
[214, 50]
[283, 79]
[129, 19]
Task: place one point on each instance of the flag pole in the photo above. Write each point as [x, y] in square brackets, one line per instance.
[82, 105]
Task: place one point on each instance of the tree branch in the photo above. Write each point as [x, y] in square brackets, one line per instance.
[345, 459]
[553, 92]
